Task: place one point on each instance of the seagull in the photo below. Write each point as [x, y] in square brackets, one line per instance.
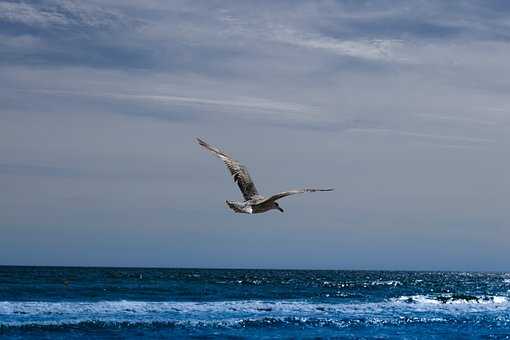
[253, 202]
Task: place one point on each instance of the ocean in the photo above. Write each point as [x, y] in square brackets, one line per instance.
[124, 303]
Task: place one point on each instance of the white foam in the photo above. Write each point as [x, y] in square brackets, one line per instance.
[500, 299]
[19, 313]
[452, 299]
[386, 283]
[442, 302]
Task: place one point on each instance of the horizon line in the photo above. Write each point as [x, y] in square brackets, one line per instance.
[251, 268]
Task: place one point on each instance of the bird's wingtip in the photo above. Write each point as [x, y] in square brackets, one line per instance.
[315, 190]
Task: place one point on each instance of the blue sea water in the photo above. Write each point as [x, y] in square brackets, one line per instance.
[58, 302]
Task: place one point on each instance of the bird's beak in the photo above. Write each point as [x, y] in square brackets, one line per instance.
[281, 210]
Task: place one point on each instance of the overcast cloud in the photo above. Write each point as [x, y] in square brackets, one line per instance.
[402, 106]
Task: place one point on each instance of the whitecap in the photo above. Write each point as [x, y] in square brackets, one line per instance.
[411, 307]
[452, 299]
[386, 283]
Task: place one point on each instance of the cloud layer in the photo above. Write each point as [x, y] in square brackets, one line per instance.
[402, 106]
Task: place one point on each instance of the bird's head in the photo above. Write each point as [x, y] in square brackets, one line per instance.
[277, 206]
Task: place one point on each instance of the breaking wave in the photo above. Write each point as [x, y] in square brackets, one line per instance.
[455, 299]
[249, 313]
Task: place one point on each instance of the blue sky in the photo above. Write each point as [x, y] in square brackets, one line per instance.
[402, 106]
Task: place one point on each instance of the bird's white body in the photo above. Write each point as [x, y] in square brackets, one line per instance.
[240, 207]
[253, 206]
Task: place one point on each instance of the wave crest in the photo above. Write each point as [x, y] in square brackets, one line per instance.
[454, 299]
[123, 313]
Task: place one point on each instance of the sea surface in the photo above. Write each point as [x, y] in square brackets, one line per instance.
[67, 303]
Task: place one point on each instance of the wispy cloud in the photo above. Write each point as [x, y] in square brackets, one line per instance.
[60, 14]
[254, 105]
[424, 135]
[27, 14]
[449, 146]
[459, 119]
[377, 49]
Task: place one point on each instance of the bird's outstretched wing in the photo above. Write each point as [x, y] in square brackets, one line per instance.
[238, 171]
[293, 192]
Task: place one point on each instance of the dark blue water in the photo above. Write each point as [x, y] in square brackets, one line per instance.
[49, 302]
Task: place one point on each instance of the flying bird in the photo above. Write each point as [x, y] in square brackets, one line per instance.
[253, 202]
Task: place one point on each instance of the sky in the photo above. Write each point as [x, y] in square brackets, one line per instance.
[402, 106]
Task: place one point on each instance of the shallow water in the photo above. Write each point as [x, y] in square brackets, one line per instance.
[49, 302]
